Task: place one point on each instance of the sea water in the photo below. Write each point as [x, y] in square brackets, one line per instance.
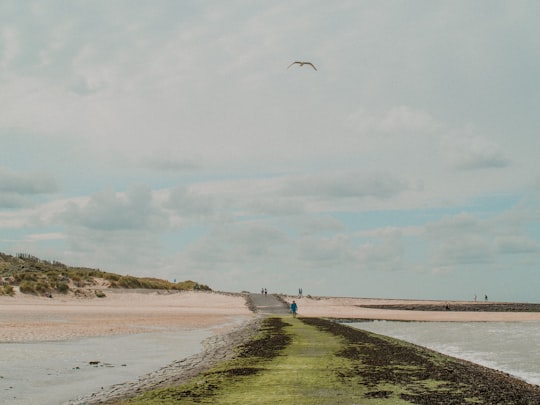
[511, 347]
[51, 373]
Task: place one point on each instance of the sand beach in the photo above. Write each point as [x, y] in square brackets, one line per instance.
[414, 310]
[26, 318]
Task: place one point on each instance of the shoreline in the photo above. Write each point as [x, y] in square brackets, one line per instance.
[218, 348]
[367, 367]
[35, 319]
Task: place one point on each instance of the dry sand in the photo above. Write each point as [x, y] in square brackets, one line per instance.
[328, 307]
[26, 318]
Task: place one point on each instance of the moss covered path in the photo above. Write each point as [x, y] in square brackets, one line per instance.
[289, 363]
[313, 361]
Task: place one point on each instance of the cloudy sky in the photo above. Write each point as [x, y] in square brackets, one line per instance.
[169, 139]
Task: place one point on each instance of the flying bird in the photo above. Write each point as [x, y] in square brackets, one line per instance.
[302, 64]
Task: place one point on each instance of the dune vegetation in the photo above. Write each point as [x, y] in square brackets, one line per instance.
[31, 275]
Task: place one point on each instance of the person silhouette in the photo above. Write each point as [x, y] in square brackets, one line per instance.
[294, 308]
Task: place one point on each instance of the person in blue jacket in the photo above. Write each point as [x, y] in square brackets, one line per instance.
[294, 308]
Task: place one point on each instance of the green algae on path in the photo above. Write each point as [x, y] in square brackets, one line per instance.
[313, 361]
[304, 370]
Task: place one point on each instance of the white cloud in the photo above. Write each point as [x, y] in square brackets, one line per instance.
[232, 246]
[170, 164]
[13, 200]
[127, 251]
[46, 236]
[10, 46]
[406, 119]
[111, 211]
[343, 185]
[400, 120]
[384, 254]
[325, 253]
[19, 190]
[467, 249]
[468, 151]
[464, 239]
[191, 204]
[314, 225]
[25, 183]
[462, 223]
[275, 206]
[252, 170]
[516, 244]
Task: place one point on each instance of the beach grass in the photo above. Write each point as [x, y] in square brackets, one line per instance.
[314, 361]
[41, 277]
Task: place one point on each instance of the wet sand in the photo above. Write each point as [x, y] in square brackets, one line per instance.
[54, 341]
[217, 348]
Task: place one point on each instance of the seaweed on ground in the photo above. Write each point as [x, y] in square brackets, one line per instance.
[249, 360]
[270, 343]
[426, 377]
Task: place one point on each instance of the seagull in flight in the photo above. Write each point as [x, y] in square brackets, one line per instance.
[302, 64]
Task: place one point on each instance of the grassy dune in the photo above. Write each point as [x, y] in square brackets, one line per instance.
[313, 361]
[41, 277]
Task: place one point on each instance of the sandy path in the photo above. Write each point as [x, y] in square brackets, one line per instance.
[29, 318]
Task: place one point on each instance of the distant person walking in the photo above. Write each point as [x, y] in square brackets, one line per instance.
[294, 309]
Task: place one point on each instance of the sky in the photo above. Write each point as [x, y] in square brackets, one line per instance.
[171, 139]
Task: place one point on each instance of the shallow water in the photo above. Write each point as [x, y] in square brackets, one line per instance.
[512, 347]
[51, 373]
